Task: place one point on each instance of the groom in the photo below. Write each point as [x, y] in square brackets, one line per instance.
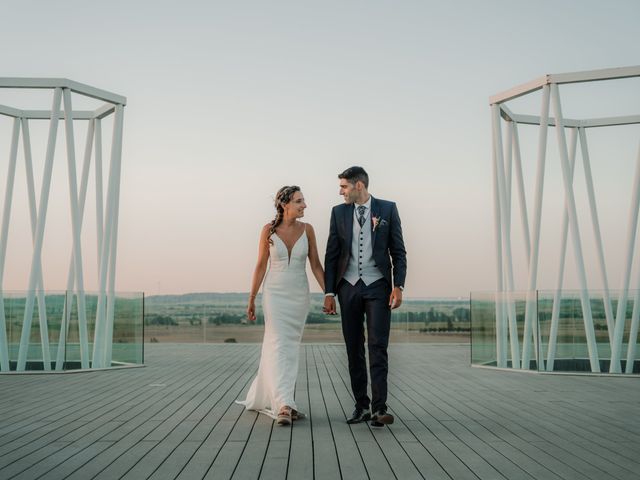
[365, 242]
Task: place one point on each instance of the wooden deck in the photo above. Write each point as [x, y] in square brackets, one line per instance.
[177, 418]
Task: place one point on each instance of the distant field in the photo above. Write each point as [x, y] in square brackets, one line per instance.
[220, 317]
[312, 334]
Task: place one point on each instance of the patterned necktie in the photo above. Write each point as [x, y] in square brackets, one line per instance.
[361, 210]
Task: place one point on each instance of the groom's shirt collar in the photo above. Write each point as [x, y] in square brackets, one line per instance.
[366, 204]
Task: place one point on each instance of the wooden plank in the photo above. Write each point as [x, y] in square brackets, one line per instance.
[452, 421]
[301, 462]
[325, 459]
[349, 456]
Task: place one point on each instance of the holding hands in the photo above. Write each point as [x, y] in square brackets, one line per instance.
[329, 306]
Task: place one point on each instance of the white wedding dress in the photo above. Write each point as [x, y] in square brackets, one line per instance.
[285, 302]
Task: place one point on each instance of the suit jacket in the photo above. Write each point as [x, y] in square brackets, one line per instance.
[387, 243]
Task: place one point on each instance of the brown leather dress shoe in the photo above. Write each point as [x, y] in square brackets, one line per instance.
[381, 418]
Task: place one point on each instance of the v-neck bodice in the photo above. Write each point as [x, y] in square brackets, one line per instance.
[281, 258]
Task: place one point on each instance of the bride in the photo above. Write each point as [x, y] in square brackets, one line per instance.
[285, 243]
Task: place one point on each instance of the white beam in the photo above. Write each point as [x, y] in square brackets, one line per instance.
[520, 90]
[593, 75]
[77, 87]
[559, 78]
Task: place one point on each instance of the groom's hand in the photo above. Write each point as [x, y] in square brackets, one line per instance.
[395, 300]
[329, 306]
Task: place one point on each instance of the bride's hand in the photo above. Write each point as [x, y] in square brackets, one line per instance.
[251, 310]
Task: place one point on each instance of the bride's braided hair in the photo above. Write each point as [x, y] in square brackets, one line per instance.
[282, 198]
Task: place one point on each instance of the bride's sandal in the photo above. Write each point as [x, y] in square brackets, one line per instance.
[284, 416]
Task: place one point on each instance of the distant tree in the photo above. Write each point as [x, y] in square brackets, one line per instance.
[159, 320]
[461, 314]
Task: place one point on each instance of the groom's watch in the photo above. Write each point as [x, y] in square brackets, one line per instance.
[329, 294]
[401, 288]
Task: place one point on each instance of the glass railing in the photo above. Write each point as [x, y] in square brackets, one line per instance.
[221, 317]
[60, 338]
[548, 331]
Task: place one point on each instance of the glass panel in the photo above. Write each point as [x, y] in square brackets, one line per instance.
[483, 329]
[484, 334]
[127, 333]
[72, 348]
[128, 329]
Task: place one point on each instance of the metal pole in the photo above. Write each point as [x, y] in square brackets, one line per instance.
[608, 311]
[99, 193]
[498, 236]
[633, 334]
[4, 235]
[116, 157]
[618, 331]
[33, 214]
[521, 194]
[100, 329]
[530, 306]
[575, 232]
[508, 257]
[76, 227]
[66, 314]
[36, 268]
[557, 298]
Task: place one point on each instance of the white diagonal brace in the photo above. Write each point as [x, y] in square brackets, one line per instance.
[575, 233]
[42, 217]
[508, 257]
[4, 236]
[530, 305]
[33, 214]
[100, 337]
[116, 157]
[557, 297]
[99, 183]
[76, 226]
[595, 223]
[66, 314]
[618, 330]
[521, 193]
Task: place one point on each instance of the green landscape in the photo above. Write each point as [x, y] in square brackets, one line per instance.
[220, 317]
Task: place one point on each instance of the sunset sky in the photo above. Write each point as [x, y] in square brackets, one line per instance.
[228, 101]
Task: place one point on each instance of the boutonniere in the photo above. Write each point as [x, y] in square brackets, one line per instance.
[377, 221]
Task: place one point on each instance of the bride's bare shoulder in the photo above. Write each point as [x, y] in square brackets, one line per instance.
[265, 230]
[309, 229]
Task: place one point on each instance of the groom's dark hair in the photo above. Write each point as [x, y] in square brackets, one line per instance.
[353, 174]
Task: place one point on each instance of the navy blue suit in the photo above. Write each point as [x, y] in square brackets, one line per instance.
[360, 300]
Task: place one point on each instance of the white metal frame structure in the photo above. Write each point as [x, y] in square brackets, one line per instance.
[507, 168]
[107, 221]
